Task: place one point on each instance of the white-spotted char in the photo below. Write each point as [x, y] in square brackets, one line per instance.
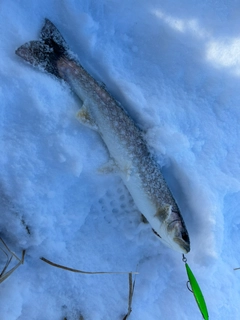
[124, 140]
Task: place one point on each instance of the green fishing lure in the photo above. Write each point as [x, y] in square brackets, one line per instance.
[196, 291]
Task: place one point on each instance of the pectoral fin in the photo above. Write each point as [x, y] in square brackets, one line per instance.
[144, 219]
[163, 213]
[85, 118]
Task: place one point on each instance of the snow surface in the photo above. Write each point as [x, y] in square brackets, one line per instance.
[175, 67]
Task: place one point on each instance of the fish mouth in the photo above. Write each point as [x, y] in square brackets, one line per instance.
[184, 245]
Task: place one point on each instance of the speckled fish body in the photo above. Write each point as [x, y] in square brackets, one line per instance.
[124, 140]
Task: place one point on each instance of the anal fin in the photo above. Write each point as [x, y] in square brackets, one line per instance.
[109, 167]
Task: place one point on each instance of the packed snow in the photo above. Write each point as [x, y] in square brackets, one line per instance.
[175, 68]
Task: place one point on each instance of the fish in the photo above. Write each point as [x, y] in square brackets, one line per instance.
[128, 150]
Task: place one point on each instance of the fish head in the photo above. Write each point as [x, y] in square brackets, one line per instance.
[172, 230]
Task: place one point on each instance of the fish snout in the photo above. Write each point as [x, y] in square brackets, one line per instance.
[183, 243]
[180, 235]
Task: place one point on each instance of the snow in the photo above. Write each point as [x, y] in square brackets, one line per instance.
[175, 67]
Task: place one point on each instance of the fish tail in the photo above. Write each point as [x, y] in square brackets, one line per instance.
[45, 53]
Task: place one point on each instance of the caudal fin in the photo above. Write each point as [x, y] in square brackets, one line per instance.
[45, 53]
